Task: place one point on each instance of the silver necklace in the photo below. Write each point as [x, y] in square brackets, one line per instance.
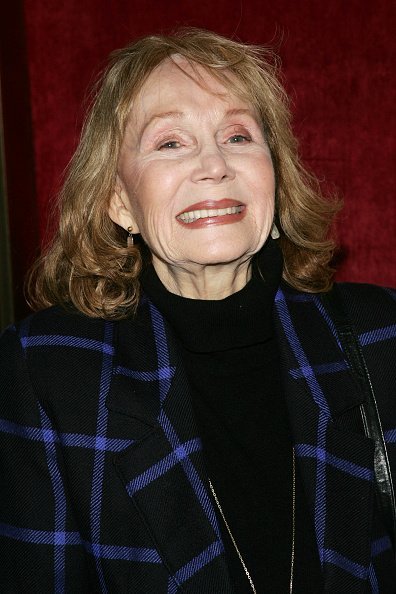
[293, 529]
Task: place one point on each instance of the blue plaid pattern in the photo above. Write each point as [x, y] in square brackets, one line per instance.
[104, 486]
[319, 380]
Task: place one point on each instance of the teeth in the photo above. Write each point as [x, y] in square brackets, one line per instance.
[194, 215]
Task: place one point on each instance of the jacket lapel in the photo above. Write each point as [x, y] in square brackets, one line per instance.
[335, 459]
[163, 471]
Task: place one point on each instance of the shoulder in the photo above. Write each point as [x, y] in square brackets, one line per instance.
[56, 349]
[49, 339]
[62, 361]
[60, 326]
[48, 352]
[372, 303]
[367, 293]
[369, 306]
[57, 335]
[57, 321]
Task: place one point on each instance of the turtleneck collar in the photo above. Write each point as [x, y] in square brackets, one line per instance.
[242, 319]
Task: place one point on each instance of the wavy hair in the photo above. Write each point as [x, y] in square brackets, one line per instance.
[88, 263]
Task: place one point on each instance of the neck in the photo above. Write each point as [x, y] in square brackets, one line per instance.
[208, 282]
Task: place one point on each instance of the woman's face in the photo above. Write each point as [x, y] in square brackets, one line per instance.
[195, 175]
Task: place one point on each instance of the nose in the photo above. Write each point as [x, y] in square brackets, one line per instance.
[212, 165]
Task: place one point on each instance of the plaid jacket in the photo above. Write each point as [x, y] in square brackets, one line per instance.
[103, 486]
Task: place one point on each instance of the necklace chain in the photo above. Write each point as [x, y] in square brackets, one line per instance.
[293, 529]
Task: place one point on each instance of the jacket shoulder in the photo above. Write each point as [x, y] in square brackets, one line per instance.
[49, 352]
[56, 352]
[369, 306]
[57, 320]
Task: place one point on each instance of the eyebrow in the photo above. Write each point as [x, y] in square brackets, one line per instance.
[240, 111]
[165, 115]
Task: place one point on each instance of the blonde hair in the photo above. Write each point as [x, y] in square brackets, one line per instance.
[88, 263]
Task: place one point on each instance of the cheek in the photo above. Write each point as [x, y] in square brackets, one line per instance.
[150, 214]
[262, 183]
[155, 189]
[260, 170]
[162, 176]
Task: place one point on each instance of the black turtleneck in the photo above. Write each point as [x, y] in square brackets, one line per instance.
[232, 362]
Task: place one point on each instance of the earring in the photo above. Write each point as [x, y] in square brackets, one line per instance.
[275, 231]
[130, 237]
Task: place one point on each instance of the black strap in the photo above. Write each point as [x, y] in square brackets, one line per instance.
[371, 421]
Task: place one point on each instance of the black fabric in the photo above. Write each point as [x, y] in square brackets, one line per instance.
[369, 409]
[232, 362]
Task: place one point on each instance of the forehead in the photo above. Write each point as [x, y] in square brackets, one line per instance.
[176, 83]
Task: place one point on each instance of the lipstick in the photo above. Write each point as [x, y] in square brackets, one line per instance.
[211, 212]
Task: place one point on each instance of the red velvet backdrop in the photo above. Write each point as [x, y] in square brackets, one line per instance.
[338, 59]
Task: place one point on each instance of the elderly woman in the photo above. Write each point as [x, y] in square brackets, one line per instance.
[192, 410]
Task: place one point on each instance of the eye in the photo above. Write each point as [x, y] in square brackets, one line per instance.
[238, 139]
[170, 144]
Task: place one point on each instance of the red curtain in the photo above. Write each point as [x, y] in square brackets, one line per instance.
[338, 60]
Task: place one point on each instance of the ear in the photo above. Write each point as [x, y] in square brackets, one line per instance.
[120, 210]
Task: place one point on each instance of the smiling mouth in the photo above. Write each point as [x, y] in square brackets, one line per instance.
[191, 216]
